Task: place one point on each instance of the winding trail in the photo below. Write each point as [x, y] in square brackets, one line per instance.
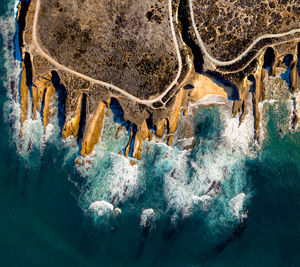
[148, 102]
[226, 63]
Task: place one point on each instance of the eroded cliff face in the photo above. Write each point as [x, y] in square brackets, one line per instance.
[161, 77]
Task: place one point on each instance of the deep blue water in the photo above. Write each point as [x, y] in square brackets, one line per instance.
[44, 198]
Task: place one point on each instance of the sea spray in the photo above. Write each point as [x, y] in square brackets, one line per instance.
[176, 182]
[109, 176]
[214, 175]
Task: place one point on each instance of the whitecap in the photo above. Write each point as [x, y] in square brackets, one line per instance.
[110, 177]
[236, 204]
[102, 207]
[148, 216]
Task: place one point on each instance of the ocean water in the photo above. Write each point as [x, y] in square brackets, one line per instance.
[228, 202]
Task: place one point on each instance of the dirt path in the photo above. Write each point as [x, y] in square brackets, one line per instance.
[148, 102]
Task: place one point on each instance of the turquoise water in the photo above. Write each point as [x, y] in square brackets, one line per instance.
[228, 202]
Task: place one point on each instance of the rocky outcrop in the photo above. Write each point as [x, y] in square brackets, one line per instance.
[42, 93]
[140, 136]
[259, 76]
[24, 94]
[71, 126]
[93, 130]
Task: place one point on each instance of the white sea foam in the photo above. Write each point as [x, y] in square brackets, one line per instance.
[239, 135]
[102, 207]
[293, 106]
[204, 200]
[125, 178]
[236, 204]
[218, 174]
[103, 210]
[117, 211]
[148, 216]
[110, 177]
[282, 110]
[185, 192]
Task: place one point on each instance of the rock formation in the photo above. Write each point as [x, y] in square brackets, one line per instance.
[154, 57]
